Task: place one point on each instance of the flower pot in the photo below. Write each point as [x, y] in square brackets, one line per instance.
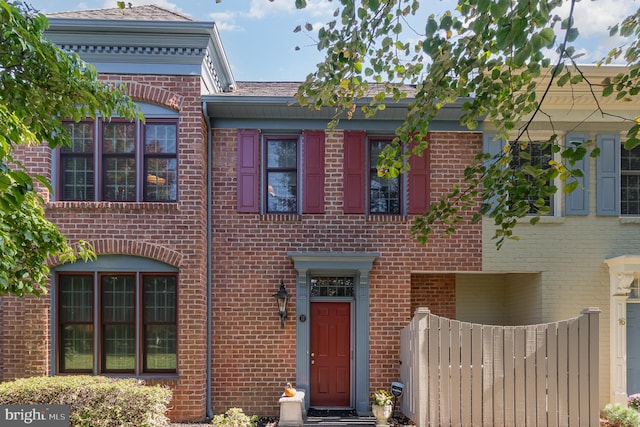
[382, 413]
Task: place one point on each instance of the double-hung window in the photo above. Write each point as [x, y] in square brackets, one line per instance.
[121, 323]
[77, 162]
[532, 156]
[384, 193]
[630, 181]
[118, 161]
[281, 154]
[536, 154]
[115, 160]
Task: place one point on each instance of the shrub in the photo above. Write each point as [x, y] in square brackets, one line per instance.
[234, 417]
[634, 401]
[619, 415]
[93, 401]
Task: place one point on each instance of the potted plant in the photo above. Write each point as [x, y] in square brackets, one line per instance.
[382, 406]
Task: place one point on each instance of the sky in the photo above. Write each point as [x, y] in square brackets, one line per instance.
[260, 44]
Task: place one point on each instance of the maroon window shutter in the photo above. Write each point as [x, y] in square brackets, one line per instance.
[248, 171]
[419, 197]
[313, 164]
[354, 172]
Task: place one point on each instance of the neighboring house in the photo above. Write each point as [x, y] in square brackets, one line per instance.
[137, 191]
[227, 190]
[587, 252]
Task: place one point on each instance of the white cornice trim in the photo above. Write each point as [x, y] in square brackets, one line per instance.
[175, 44]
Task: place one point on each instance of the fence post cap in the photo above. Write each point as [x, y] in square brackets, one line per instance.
[422, 310]
[590, 310]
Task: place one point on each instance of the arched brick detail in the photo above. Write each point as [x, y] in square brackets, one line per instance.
[129, 247]
[155, 94]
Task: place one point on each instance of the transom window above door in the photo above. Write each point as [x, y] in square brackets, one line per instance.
[332, 286]
[635, 289]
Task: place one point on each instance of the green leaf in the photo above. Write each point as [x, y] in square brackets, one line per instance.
[570, 187]
[564, 79]
[547, 36]
[431, 27]
[631, 142]
[483, 6]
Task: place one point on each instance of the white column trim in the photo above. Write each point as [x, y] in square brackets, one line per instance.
[622, 271]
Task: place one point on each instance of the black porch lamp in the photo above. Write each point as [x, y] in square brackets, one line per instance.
[282, 297]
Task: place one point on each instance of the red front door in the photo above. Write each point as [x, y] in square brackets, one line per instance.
[330, 354]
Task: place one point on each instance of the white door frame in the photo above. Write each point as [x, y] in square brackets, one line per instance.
[622, 271]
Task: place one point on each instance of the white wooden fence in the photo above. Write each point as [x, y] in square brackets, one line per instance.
[464, 374]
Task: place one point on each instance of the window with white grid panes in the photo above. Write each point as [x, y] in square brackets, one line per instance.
[630, 181]
[536, 154]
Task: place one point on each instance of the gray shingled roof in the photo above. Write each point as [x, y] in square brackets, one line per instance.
[135, 13]
[288, 89]
[253, 88]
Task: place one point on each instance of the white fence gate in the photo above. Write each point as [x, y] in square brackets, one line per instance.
[464, 374]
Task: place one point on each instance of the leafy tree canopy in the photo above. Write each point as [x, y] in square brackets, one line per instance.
[492, 55]
[39, 86]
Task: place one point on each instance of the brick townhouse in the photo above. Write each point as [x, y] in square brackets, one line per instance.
[201, 212]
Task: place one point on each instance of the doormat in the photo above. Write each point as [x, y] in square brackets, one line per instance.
[338, 413]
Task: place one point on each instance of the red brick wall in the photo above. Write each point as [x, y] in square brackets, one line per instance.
[174, 233]
[253, 358]
[437, 292]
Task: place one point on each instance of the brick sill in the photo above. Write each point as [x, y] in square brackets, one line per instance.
[382, 218]
[111, 206]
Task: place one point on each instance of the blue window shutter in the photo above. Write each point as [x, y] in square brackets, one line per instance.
[608, 176]
[577, 203]
[313, 169]
[493, 147]
[248, 171]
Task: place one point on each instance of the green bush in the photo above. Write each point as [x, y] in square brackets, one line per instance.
[619, 415]
[94, 401]
[234, 417]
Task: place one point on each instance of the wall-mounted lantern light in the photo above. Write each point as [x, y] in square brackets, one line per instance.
[282, 298]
